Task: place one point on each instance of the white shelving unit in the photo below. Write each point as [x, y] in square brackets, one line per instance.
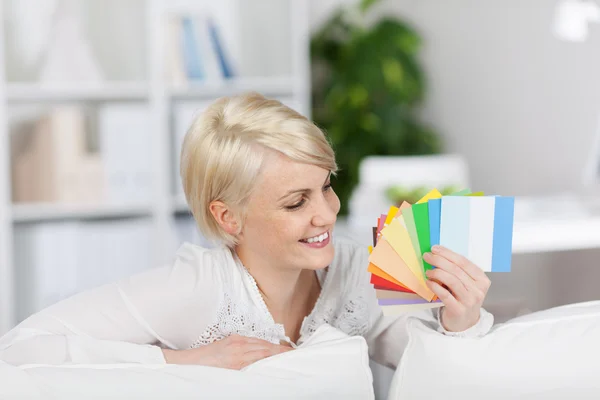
[31, 93]
[155, 91]
[48, 212]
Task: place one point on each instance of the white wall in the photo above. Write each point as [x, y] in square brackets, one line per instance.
[521, 106]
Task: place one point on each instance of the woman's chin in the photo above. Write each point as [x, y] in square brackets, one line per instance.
[323, 261]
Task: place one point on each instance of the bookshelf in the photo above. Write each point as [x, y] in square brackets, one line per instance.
[48, 212]
[279, 74]
[31, 93]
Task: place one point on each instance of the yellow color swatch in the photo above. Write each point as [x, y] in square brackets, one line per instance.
[390, 215]
[434, 194]
[398, 237]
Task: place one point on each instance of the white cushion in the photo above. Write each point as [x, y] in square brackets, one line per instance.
[329, 365]
[545, 355]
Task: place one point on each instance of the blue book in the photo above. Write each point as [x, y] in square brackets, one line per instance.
[220, 50]
[191, 54]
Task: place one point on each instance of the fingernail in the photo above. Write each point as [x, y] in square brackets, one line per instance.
[427, 254]
[436, 248]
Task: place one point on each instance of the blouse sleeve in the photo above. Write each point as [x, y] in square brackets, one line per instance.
[124, 322]
[387, 336]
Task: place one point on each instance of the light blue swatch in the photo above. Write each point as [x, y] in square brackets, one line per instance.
[435, 208]
[454, 224]
[503, 234]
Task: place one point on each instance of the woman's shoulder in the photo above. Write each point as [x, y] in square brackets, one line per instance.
[199, 254]
[204, 261]
[193, 268]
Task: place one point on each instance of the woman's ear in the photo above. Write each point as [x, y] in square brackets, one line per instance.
[225, 217]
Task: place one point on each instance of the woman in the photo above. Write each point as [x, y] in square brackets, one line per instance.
[257, 178]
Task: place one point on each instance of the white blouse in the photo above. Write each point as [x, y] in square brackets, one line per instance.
[204, 296]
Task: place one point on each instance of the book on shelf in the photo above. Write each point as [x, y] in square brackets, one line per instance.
[196, 49]
[53, 160]
[125, 139]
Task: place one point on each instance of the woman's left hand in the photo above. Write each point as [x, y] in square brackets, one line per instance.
[459, 284]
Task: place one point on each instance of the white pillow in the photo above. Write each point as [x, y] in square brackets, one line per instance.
[553, 354]
[329, 365]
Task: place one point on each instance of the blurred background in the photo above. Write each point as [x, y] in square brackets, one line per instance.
[500, 96]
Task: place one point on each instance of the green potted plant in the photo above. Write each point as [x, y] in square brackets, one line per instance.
[367, 85]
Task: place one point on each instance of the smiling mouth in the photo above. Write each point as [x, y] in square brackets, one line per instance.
[316, 239]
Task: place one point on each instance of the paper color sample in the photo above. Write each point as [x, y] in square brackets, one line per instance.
[400, 309]
[454, 224]
[375, 270]
[481, 232]
[398, 237]
[381, 223]
[392, 294]
[388, 260]
[479, 228]
[476, 226]
[391, 214]
[380, 283]
[435, 209]
[405, 205]
[463, 192]
[409, 220]
[421, 216]
[503, 234]
[433, 194]
[392, 302]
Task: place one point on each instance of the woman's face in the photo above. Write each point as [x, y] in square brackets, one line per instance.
[290, 216]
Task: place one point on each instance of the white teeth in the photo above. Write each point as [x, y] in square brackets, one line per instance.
[319, 238]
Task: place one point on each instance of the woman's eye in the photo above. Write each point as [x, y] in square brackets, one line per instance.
[297, 205]
[327, 187]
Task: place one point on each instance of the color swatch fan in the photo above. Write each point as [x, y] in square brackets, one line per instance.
[475, 226]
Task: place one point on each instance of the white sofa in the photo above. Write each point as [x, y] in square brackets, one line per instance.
[544, 355]
[552, 354]
[330, 365]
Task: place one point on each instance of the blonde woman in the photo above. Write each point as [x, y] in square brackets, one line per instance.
[257, 176]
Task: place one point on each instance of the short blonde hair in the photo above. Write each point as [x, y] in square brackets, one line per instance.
[223, 153]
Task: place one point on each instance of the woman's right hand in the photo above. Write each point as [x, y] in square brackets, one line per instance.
[232, 352]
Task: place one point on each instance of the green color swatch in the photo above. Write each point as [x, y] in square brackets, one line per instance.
[421, 217]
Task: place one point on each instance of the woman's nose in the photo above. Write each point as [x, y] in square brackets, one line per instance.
[325, 213]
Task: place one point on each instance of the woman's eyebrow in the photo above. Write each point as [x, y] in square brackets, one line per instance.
[305, 191]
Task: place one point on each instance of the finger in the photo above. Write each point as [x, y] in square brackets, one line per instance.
[457, 288]
[250, 347]
[267, 346]
[235, 338]
[252, 357]
[256, 355]
[444, 295]
[471, 269]
[444, 264]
